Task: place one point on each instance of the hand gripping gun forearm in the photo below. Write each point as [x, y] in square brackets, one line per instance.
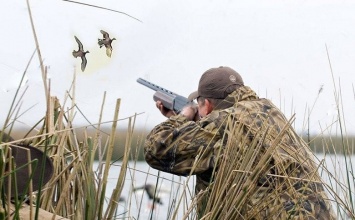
[169, 99]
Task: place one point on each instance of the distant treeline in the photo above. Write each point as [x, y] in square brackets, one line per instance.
[318, 144]
[331, 144]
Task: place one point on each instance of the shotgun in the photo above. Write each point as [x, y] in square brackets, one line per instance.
[169, 99]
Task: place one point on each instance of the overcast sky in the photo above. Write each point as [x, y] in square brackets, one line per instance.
[279, 48]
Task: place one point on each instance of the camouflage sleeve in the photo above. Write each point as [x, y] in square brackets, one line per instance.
[174, 145]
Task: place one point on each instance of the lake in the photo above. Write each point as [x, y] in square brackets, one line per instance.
[136, 205]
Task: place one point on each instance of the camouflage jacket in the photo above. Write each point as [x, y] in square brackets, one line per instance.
[183, 147]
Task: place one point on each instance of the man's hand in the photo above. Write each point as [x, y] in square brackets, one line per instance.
[191, 112]
[164, 111]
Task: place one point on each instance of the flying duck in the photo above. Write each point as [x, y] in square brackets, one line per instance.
[107, 41]
[80, 53]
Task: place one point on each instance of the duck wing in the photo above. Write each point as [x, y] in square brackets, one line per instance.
[108, 51]
[75, 53]
[105, 34]
[101, 42]
[83, 63]
[79, 43]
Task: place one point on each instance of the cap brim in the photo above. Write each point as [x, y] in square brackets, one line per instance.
[193, 96]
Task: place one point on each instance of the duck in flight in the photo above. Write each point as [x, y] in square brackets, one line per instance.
[80, 53]
[107, 42]
[152, 192]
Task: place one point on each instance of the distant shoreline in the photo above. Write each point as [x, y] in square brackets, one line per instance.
[318, 144]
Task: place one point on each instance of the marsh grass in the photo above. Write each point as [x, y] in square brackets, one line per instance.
[78, 190]
[75, 191]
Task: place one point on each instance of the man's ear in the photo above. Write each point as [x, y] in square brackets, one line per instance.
[209, 106]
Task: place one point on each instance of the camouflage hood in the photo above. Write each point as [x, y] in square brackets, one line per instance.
[243, 93]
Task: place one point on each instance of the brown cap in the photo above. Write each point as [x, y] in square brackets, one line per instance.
[214, 83]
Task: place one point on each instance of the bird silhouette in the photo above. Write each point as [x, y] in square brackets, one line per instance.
[81, 53]
[151, 191]
[107, 42]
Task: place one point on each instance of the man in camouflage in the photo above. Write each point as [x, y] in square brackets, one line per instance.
[287, 184]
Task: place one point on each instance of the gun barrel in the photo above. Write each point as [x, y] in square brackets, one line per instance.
[153, 86]
[169, 99]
